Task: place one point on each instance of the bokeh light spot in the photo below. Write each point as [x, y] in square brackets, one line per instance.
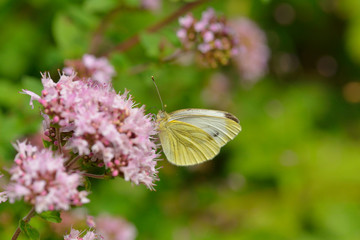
[327, 66]
[351, 92]
[284, 14]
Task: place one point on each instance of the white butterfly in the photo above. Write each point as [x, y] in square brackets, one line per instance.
[192, 136]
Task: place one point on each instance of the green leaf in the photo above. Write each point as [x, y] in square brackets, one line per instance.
[132, 3]
[151, 44]
[9, 96]
[100, 6]
[71, 38]
[29, 231]
[46, 144]
[51, 216]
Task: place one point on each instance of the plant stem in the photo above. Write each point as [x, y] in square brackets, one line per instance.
[97, 37]
[132, 41]
[26, 220]
[58, 139]
[93, 175]
[71, 161]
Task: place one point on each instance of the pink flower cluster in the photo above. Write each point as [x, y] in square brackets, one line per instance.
[211, 36]
[77, 235]
[41, 179]
[254, 53]
[103, 127]
[90, 67]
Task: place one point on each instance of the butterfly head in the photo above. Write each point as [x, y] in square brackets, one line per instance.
[162, 115]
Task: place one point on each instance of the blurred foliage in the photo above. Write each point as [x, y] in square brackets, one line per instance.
[293, 171]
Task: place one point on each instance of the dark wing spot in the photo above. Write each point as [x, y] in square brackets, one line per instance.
[232, 117]
[215, 134]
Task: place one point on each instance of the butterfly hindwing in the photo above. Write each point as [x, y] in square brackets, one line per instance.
[185, 144]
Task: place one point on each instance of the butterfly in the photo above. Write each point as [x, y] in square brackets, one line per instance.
[192, 136]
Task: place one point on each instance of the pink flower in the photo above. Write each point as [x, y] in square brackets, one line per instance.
[152, 5]
[186, 21]
[97, 69]
[90, 221]
[77, 235]
[104, 127]
[210, 35]
[204, 47]
[200, 26]
[41, 179]
[111, 130]
[254, 53]
[115, 228]
[3, 195]
[181, 33]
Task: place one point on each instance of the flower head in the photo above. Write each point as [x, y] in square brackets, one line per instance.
[211, 37]
[254, 53]
[41, 179]
[104, 127]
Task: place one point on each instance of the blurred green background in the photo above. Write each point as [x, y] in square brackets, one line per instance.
[292, 173]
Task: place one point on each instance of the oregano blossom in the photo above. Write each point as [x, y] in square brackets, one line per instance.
[211, 36]
[40, 178]
[103, 127]
[85, 235]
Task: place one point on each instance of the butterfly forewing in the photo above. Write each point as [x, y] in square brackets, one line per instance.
[221, 126]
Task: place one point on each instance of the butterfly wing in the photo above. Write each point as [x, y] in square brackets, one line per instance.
[221, 126]
[192, 136]
[184, 144]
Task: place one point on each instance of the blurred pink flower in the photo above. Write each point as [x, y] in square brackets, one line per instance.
[253, 53]
[217, 91]
[115, 228]
[152, 5]
[98, 69]
[3, 195]
[90, 221]
[102, 126]
[77, 235]
[41, 179]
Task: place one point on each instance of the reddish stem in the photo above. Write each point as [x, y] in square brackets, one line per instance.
[132, 41]
[26, 219]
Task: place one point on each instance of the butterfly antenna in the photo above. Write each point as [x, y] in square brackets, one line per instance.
[162, 105]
